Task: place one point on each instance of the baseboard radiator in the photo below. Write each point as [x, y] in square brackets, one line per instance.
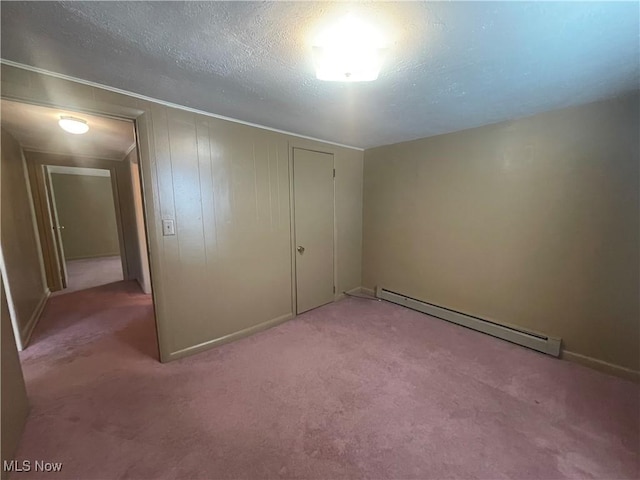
[536, 341]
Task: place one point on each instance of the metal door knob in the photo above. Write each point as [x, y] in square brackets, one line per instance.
[300, 249]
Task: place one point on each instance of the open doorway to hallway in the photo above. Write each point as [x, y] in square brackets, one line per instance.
[86, 220]
[82, 237]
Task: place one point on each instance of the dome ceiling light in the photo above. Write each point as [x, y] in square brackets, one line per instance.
[74, 125]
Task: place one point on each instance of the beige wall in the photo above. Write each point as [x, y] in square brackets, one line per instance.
[348, 191]
[532, 222]
[228, 270]
[86, 210]
[131, 205]
[132, 220]
[26, 287]
[15, 406]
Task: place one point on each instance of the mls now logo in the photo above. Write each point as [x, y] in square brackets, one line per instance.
[27, 466]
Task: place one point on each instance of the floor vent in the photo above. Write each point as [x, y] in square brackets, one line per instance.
[536, 341]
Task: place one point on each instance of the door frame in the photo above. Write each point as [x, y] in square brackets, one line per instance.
[37, 161]
[54, 221]
[301, 145]
[120, 107]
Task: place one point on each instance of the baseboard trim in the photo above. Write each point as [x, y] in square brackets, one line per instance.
[28, 329]
[343, 295]
[368, 291]
[185, 352]
[201, 347]
[602, 366]
[141, 285]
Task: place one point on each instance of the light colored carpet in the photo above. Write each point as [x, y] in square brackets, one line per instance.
[92, 272]
[355, 389]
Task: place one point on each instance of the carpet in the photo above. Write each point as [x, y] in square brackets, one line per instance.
[92, 272]
[355, 389]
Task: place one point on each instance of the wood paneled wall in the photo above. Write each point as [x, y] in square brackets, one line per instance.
[227, 187]
[228, 270]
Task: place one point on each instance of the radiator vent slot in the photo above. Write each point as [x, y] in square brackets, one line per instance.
[536, 341]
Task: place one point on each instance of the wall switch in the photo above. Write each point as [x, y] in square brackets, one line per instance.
[168, 227]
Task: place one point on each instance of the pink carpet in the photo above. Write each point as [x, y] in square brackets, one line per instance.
[356, 389]
[92, 272]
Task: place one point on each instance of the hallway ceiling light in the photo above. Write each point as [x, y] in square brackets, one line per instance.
[350, 51]
[74, 125]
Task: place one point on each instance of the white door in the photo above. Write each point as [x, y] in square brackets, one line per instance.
[313, 216]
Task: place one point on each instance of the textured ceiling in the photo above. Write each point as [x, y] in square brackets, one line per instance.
[36, 128]
[450, 65]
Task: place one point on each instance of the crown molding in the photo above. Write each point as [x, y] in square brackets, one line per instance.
[145, 98]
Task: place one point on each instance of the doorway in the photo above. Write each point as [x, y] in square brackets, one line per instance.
[313, 185]
[84, 218]
[85, 221]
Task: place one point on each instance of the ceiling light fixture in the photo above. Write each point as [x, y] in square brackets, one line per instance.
[350, 51]
[74, 125]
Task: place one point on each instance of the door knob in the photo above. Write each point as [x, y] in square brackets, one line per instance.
[300, 249]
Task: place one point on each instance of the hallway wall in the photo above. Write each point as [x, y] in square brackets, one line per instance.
[26, 286]
[131, 205]
[15, 405]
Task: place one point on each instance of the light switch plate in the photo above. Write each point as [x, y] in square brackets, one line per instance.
[168, 227]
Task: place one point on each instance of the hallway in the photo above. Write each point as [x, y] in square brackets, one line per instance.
[92, 272]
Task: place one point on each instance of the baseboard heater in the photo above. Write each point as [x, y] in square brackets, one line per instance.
[536, 341]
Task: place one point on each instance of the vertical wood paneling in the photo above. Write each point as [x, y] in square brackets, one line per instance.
[244, 193]
[222, 175]
[186, 189]
[162, 161]
[168, 257]
[207, 194]
[190, 275]
[227, 186]
[151, 192]
[232, 269]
